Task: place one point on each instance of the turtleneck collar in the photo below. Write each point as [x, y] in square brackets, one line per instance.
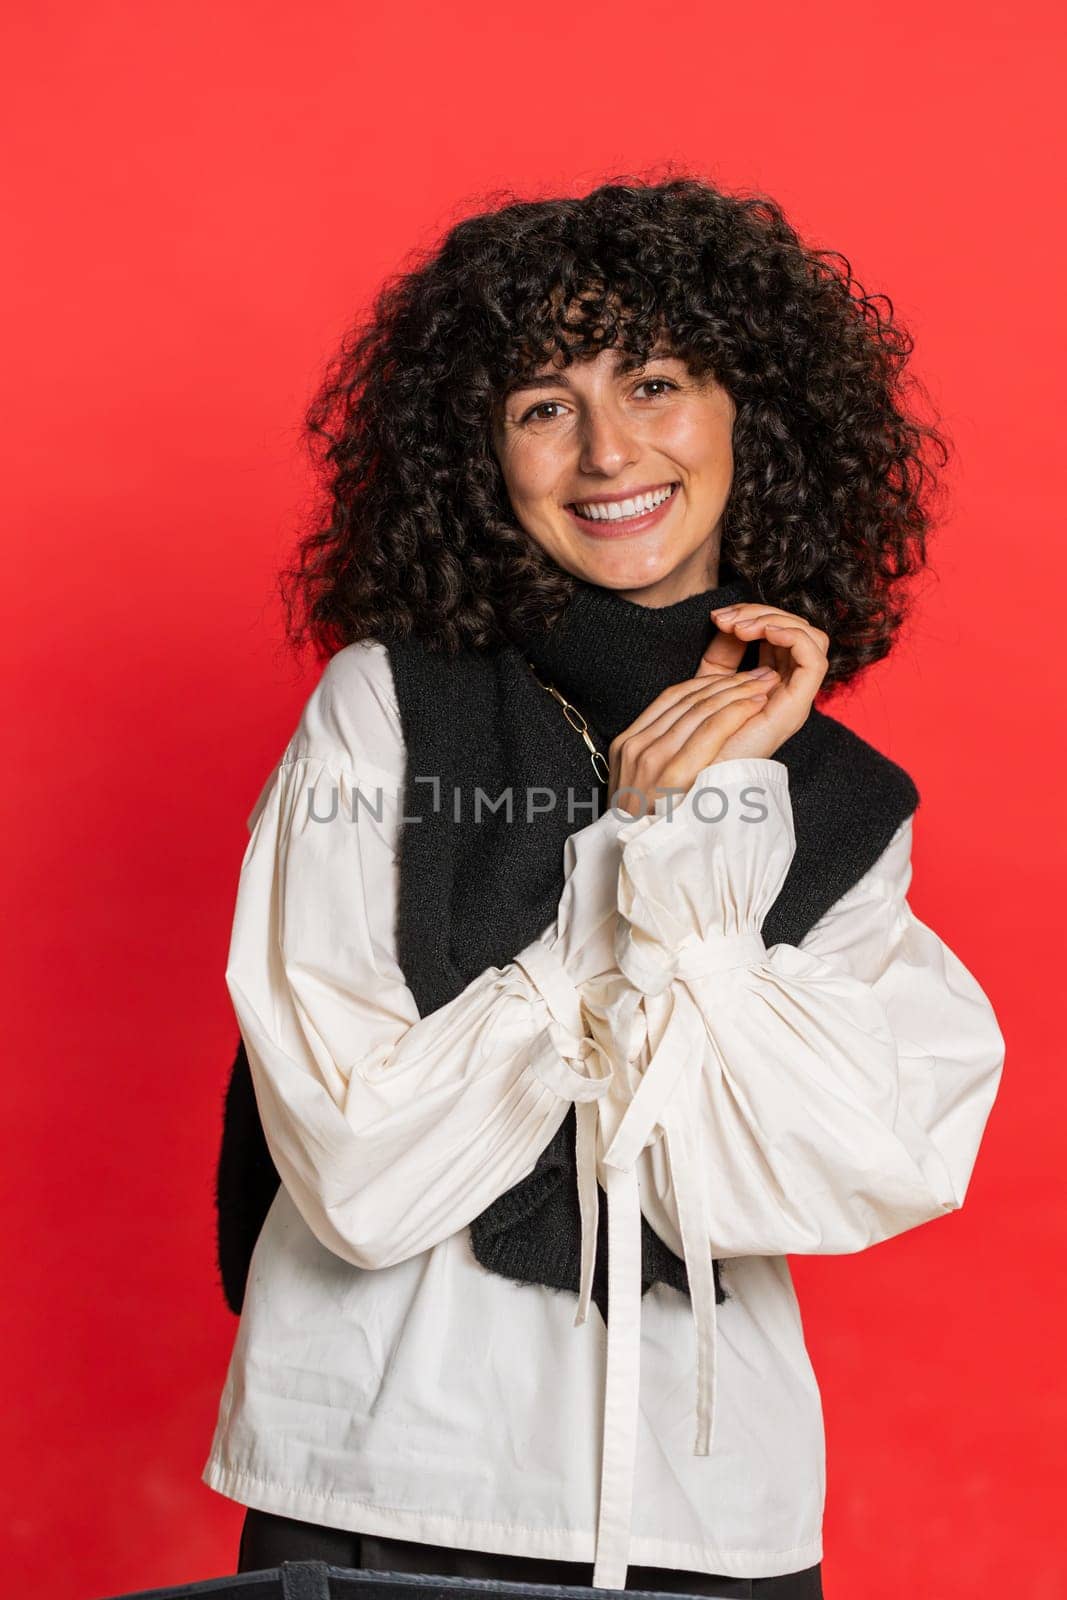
[611, 656]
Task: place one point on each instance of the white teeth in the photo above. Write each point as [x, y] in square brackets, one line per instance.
[616, 510]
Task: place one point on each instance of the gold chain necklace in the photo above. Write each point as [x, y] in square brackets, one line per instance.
[578, 722]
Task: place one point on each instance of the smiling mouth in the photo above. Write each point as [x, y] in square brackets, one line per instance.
[622, 510]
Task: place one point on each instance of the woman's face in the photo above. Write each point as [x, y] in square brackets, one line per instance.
[576, 447]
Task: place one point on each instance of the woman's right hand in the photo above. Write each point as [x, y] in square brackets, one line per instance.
[680, 733]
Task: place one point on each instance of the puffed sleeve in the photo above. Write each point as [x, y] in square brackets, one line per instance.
[834, 1094]
[392, 1131]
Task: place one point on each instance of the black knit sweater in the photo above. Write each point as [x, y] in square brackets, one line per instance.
[472, 893]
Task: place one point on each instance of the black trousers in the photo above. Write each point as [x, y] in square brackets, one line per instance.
[267, 1540]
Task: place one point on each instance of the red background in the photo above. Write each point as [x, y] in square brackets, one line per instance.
[200, 198]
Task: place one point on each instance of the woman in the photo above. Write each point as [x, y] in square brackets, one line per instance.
[615, 486]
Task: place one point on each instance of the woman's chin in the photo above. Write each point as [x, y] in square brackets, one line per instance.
[655, 575]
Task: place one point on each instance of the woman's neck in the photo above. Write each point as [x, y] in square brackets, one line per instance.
[612, 656]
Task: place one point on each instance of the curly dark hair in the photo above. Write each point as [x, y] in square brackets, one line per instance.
[834, 465]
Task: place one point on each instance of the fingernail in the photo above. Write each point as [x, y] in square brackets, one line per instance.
[724, 611]
[762, 672]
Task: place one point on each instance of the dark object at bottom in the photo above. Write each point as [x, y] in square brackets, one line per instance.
[282, 1558]
[267, 1540]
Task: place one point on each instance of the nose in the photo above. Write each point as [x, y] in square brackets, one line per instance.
[607, 445]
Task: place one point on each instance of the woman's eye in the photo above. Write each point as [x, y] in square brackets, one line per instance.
[541, 411]
[665, 383]
[542, 406]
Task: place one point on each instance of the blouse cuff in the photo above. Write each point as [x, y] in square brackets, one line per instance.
[583, 935]
[699, 875]
[572, 1063]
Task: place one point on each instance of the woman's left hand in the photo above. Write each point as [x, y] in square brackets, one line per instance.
[796, 649]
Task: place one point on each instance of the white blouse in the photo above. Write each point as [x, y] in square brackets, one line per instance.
[750, 1102]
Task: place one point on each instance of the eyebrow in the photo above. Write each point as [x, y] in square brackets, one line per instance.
[559, 380]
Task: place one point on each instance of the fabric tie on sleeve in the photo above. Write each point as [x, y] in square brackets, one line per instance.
[662, 1106]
